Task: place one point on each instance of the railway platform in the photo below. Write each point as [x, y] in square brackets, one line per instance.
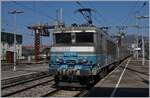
[129, 79]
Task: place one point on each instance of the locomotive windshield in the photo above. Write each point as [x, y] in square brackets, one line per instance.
[63, 38]
[84, 37]
[69, 38]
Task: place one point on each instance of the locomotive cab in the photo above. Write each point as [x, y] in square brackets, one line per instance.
[73, 55]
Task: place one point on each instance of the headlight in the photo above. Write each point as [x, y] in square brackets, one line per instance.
[83, 61]
[59, 61]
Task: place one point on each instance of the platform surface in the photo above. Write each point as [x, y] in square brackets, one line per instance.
[129, 79]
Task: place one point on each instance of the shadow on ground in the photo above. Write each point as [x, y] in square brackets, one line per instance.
[120, 92]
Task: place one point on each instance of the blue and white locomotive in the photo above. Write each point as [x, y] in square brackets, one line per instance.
[81, 54]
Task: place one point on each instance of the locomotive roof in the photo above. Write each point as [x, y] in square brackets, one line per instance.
[75, 29]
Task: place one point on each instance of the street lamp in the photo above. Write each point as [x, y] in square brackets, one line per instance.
[15, 12]
[137, 40]
[143, 48]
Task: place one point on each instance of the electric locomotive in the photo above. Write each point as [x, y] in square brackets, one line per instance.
[81, 54]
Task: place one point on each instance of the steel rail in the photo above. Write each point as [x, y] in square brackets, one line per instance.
[25, 81]
[26, 88]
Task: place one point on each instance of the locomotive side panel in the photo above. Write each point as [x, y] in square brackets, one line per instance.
[106, 49]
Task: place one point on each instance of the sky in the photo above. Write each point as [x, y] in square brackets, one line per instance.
[107, 13]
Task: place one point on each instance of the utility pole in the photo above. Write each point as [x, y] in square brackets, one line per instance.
[143, 48]
[120, 36]
[15, 12]
[137, 39]
[61, 14]
[59, 18]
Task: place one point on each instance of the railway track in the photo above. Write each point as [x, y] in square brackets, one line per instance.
[64, 93]
[40, 87]
[18, 88]
[24, 81]
[77, 93]
[23, 78]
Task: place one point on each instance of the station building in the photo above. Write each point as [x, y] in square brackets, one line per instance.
[7, 46]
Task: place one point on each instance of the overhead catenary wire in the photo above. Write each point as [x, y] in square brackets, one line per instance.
[35, 11]
[130, 13]
[95, 18]
[19, 25]
[143, 5]
[133, 11]
[99, 14]
[77, 2]
[71, 18]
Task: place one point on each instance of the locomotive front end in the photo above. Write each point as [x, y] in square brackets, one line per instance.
[72, 64]
[73, 56]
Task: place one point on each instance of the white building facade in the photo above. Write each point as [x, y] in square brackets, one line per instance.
[7, 44]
